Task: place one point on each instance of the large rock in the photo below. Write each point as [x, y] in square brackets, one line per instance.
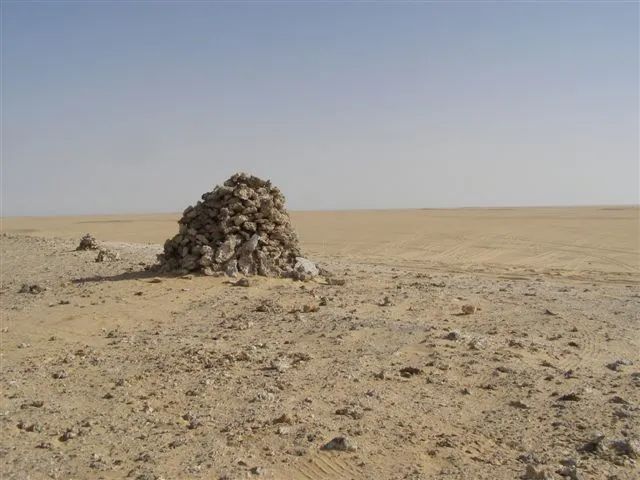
[304, 269]
[239, 227]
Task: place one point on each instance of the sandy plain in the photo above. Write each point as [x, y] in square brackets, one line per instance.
[116, 372]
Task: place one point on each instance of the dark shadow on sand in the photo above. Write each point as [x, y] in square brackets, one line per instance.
[136, 275]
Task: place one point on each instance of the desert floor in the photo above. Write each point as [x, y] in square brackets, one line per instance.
[114, 371]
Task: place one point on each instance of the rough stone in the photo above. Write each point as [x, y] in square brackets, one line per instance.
[243, 282]
[344, 444]
[468, 309]
[537, 473]
[31, 288]
[627, 447]
[617, 365]
[304, 269]
[453, 335]
[231, 268]
[595, 444]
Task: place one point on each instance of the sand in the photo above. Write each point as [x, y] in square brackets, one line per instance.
[112, 372]
[580, 240]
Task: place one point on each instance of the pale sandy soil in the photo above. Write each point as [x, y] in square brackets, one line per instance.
[112, 373]
[600, 240]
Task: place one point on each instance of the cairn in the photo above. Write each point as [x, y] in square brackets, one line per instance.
[88, 242]
[239, 227]
[106, 255]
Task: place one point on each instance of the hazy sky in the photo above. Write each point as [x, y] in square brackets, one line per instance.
[142, 106]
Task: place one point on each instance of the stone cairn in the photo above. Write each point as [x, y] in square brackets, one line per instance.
[239, 227]
[88, 242]
[106, 255]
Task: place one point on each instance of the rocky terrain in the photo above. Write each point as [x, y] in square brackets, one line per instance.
[401, 371]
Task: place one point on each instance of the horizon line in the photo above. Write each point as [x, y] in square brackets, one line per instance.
[488, 207]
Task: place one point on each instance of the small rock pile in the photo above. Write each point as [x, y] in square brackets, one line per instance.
[241, 226]
[31, 288]
[106, 255]
[88, 242]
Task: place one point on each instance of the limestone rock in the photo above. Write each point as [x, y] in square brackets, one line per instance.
[344, 444]
[304, 269]
[231, 268]
[627, 447]
[31, 288]
[537, 473]
[468, 309]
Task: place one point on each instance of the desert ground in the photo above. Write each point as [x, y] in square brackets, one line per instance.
[463, 344]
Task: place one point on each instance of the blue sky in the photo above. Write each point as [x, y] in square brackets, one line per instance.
[111, 107]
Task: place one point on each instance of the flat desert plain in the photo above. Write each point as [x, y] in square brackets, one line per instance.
[463, 344]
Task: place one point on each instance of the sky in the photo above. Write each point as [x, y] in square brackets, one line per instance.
[118, 107]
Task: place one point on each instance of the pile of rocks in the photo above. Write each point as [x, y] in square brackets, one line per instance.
[31, 288]
[106, 255]
[88, 242]
[239, 227]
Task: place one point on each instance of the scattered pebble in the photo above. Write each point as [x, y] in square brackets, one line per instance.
[309, 308]
[33, 289]
[627, 447]
[537, 473]
[468, 309]
[343, 444]
[280, 364]
[519, 404]
[570, 397]
[68, 435]
[351, 411]
[617, 365]
[595, 444]
[257, 471]
[453, 335]
[284, 418]
[386, 302]
[410, 371]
